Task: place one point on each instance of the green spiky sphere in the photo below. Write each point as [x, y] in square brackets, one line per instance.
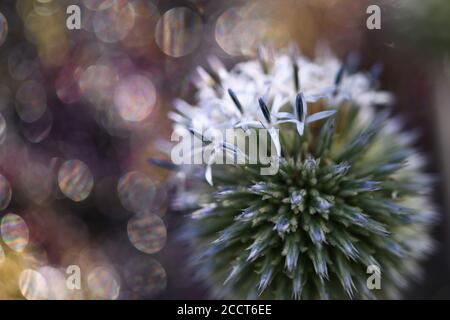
[349, 193]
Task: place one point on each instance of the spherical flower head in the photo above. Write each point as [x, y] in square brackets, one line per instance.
[349, 196]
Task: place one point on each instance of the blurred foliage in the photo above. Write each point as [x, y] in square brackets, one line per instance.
[423, 26]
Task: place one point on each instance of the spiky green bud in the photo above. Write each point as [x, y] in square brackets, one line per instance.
[350, 191]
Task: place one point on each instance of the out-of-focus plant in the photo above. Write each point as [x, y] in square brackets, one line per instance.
[423, 25]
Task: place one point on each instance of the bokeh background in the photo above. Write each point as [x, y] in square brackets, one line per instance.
[83, 111]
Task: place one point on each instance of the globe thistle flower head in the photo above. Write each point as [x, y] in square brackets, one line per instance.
[349, 193]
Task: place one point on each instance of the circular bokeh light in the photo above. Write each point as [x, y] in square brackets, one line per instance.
[251, 33]
[55, 165]
[240, 30]
[2, 255]
[225, 33]
[22, 61]
[14, 232]
[2, 129]
[75, 180]
[3, 29]
[147, 15]
[160, 207]
[103, 283]
[178, 32]
[66, 84]
[5, 193]
[96, 5]
[136, 192]
[145, 278]
[114, 23]
[46, 7]
[147, 233]
[97, 83]
[56, 283]
[31, 101]
[33, 285]
[134, 98]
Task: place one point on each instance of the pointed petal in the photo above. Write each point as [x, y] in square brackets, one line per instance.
[162, 163]
[230, 147]
[340, 75]
[208, 175]
[264, 110]
[233, 149]
[284, 115]
[184, 108]
[320, 115]
[198, 135]
[176, 117]
[288, 121]
[249, 124]
[202, 76]
[300, 128]
[236, 101]
[273, 132]
[217, 66]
